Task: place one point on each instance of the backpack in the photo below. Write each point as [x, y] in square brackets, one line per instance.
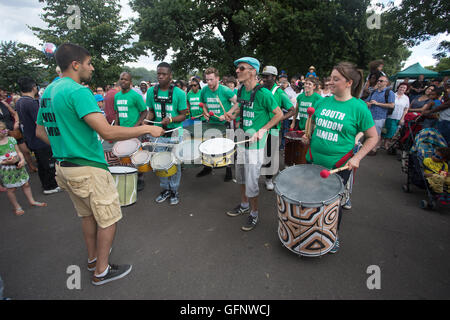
[386, 98]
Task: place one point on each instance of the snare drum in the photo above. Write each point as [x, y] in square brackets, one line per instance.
[188, 153]
[164, 164]
[141, 160]
[126, 184]
[308, 209]
[294, 149]
[217, 152]
[125, 149]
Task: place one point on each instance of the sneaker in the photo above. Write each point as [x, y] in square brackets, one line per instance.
[347, 205]
[269, 184]
[250, 224]
[205, 171]
[238, 210]
[174, 199]
[163, 196]
[115, 272]
[92, 265]
[56, 190]
[335, 247]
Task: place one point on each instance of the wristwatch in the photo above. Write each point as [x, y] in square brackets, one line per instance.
[170, 118]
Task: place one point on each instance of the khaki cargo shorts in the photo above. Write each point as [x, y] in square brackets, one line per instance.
[93, 192]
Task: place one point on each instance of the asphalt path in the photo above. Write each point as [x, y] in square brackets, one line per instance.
[195, 251]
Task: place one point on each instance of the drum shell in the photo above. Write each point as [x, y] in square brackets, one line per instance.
[166, 169]
[308, 228]
[126, 184]
[125, 159]
[141, 167]
[294, 149]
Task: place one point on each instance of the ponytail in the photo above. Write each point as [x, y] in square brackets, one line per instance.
[350, 72]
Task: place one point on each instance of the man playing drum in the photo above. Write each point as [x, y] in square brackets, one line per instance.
[259, 113]
[130, 110]
[269, 75]
[168, 108]
[70, 121]
[218, 99]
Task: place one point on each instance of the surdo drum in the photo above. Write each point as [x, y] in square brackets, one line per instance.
[294, 149]
[217, 152]
[308, 209]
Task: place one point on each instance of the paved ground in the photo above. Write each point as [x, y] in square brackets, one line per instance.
[195, 251]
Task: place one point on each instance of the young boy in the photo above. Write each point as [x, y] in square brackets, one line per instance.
[436, 170]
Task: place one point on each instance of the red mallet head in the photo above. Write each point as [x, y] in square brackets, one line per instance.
[192, 118]
[324, 173]
[310, 111]
[291, 129]
[211, 113]
[7, 155]
[299, 131]
[201, 104]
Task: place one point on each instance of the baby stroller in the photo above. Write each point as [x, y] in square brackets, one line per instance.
[426, 141]
[404, 137]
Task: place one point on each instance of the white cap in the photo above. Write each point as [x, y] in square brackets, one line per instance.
[270, 70]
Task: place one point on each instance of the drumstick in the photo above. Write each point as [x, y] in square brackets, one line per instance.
[112, 123]
[171, 130]
[213, 114]
[325, 173]
[310, 112]
[243, 141]
[220, 102]
[151, 121]
[192, 118]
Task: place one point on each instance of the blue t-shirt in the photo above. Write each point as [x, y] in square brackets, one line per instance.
[380, 113]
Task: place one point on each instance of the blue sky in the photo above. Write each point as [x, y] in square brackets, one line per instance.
[17, 14]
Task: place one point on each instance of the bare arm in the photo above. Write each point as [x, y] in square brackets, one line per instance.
[42, 134]
[370, 142]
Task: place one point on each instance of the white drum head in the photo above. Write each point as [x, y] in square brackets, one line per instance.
[162, 160]
[122, 170]
[126, 148]
[217, 146]
[141, 157]
[188, 150]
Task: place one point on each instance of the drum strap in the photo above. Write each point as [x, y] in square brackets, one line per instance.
[246, 103]
[344, 159]
[163, 101]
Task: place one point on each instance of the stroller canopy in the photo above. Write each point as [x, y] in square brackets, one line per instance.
[426, 141]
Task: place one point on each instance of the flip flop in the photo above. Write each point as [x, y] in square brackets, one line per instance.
[39, 204]
[19, 211]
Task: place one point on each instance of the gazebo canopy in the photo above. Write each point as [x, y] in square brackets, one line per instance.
[415, 71]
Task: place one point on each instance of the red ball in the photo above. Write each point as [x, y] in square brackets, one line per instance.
[310, 111]
[324, 173]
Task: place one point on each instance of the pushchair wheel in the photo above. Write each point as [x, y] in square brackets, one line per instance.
[423, 204]
[432, 205]
[405, 188]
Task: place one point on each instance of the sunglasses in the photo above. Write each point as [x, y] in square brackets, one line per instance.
[242, 68]
[381, 81]
[194, 85]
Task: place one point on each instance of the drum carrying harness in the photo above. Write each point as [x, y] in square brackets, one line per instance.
[163, 100]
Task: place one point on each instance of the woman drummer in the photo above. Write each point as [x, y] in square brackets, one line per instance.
[338, 120]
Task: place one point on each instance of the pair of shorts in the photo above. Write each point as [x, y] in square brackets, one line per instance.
[379, 125]
[92, 191]
[248, 169]
[391, 126]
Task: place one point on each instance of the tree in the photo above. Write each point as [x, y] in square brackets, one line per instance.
[100, 31]
[18, 60]
[141, 74]
[290, 34]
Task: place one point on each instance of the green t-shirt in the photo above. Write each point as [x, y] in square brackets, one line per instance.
[258, 115]
[194, 100]
[304, 102]
[178, 104]
[283, 102]
[210, 99]
[129, 107]
[63, 106]
[336, 125]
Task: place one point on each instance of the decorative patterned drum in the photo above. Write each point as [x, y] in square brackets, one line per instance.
[217, 152]
[188, 153]
[164, 164]
[141, 160]
[126, 184]
[110, 158]
[294, 148]
[125, 149]
[308, 208]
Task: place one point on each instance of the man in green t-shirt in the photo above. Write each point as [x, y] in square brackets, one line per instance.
[269, 75]
[130, 111]
[168, 109]
[259, 112]
[218, 99]
[70, 120]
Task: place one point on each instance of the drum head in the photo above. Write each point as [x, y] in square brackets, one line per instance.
[294, 135]
[162, 160]
[141, 157]
[302, 184]
[122, 170]
[217, 146]
[126, 148]
[188, 150]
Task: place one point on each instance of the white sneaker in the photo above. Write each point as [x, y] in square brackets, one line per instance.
[56, 190]
[269, 184]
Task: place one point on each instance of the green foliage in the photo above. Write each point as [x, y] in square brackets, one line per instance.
[290, 34]
[101, 32]
[18, 60]
[141, 74]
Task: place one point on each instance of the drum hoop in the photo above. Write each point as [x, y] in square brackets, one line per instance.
[121, 155]
[148, 158]
[157, 167]
[223, 154]
[131, 170]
